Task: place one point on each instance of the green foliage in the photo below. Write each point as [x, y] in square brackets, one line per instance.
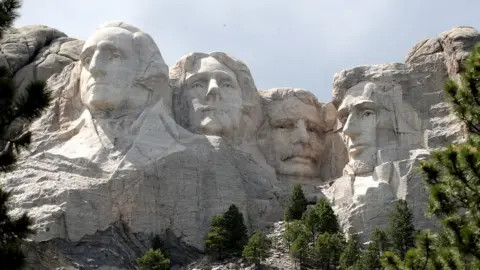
[401, 230]
[16, 114]
[370, 259]
[227, 235]
[294, 230]
[327, 250]
[297, 204]
[350, 254]
[321, 219]
[315, 240]
[382, 239]
[452, 176]
[8, 14]
[299, 249]
[257, 248]
[153, 259]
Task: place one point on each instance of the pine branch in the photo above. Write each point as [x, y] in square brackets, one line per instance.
[8, 14]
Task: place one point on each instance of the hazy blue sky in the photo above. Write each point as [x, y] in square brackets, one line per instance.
[299, 43]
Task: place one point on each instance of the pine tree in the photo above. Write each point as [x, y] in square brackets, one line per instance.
[452, 176]
[227, 235]
[321, 219]
[382, 239]
[153, 259]
[401, 231]
[327, 250]
[351, 253]
[217, 238]
[294, 230]
[236, 230]
[299, 249]
[18, 108]
[257, 248]
[297, 205]
[370, 259]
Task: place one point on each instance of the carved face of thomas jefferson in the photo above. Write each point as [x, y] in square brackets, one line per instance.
[215, 98]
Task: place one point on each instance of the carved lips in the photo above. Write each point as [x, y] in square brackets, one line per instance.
[355, 149]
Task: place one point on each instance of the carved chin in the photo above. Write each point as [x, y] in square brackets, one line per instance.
[298, 167]
[362, 166]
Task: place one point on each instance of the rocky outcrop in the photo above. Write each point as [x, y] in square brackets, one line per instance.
[130, 150]
[37, 52]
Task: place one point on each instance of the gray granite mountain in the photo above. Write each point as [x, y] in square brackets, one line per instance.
[131, 149]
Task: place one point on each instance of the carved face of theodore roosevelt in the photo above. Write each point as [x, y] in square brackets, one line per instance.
[297, 131]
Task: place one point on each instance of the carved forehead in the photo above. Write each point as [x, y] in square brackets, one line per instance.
[363, 94]
[208, 65]
[293, 108]
[118, 37]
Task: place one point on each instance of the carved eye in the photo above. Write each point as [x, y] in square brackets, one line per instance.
[284, 125]
[226, 84]
[368, 113]
[311, 129]
[197, 85]
[344, 119]
[86, 60]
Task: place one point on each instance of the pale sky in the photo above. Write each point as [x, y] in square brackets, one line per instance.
[295, 43]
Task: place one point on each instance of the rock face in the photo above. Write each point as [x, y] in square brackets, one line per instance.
[131, 149]
[391, 116]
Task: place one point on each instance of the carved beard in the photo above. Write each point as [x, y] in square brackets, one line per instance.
[363, 166]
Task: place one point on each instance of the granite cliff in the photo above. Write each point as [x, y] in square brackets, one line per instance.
[132, 148]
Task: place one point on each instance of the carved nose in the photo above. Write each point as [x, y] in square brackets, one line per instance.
[212, 91]
[96, 66]
[350, 129]
[301, 133]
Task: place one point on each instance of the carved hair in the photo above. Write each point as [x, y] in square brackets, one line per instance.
[152, 70]
[67, 105]
[400, 116]
[270, 97]
[250, 98]
[279, 94]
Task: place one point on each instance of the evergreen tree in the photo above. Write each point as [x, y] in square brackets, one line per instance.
[370, 259]
[299, 249]
[153, 259]
[382, 239]
[294, 230]
[17, 110]
[452, 176]
[321, 219]
[217, 238]
[227, 235]
[297, 204]
[236, 230]
[401, 229]
[257, 248]
[327, 250]
[351, 253]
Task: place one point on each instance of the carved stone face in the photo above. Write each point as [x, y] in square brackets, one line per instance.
[297, 137]
[366, 127]
[215, 98]
[109, 70]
